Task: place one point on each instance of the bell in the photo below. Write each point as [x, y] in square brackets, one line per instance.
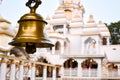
[31, 31]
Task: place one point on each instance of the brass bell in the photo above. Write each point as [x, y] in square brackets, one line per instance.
[31, 30]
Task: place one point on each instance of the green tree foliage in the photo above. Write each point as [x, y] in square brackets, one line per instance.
[114, 29]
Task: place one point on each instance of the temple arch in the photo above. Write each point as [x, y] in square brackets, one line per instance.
[70, 63]
[112, 70]
[70, 67]
[89, 67]
[57, 45]
[90, 46]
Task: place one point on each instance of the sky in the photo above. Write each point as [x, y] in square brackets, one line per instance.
[106, 10]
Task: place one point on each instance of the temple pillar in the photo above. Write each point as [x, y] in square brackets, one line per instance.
[54, 73]
[3, 69]
[29, 71]
[61, 72]
[62, 48]
[33, 72]
[64, 29]
[12, 71]
[79, 69]
[99, 67]
[21, 71]
[44, 72]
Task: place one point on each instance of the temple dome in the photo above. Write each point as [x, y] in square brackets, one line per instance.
[104, 31]
[76, 18]
[59, 14]
[59, 17]
[91, 22]
[47, 18]
[91, 26]
[76, 21]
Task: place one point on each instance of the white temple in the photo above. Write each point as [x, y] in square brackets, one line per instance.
[79, 45]
[82, 49]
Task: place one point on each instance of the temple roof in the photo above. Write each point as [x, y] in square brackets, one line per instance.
[112, 53]
[5, 27]
[4, 20]
[6, 34]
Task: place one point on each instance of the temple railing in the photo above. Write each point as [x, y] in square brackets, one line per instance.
[88, 74]
[13, 68]
[70, 72]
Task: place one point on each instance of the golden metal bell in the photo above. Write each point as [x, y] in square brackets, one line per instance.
[31, 32]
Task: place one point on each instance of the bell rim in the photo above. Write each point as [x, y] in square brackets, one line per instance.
[40, 44]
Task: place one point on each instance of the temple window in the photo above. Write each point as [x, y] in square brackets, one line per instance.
[57, 47]
[104, 41]
[58, 28]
